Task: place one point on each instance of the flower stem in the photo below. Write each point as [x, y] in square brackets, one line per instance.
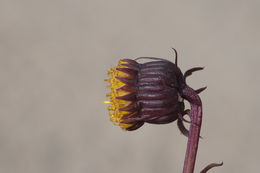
[194, 131]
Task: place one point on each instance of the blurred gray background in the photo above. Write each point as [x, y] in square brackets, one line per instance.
[53, 59]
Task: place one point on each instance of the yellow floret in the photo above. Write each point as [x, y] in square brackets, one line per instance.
[115, 104]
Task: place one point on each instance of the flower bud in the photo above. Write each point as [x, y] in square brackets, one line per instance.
[148, 92]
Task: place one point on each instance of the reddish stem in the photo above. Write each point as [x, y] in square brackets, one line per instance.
[194, 131]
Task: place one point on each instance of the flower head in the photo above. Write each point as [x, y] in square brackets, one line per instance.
[148, 92]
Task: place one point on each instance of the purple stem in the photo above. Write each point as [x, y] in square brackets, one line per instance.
[194, 131]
